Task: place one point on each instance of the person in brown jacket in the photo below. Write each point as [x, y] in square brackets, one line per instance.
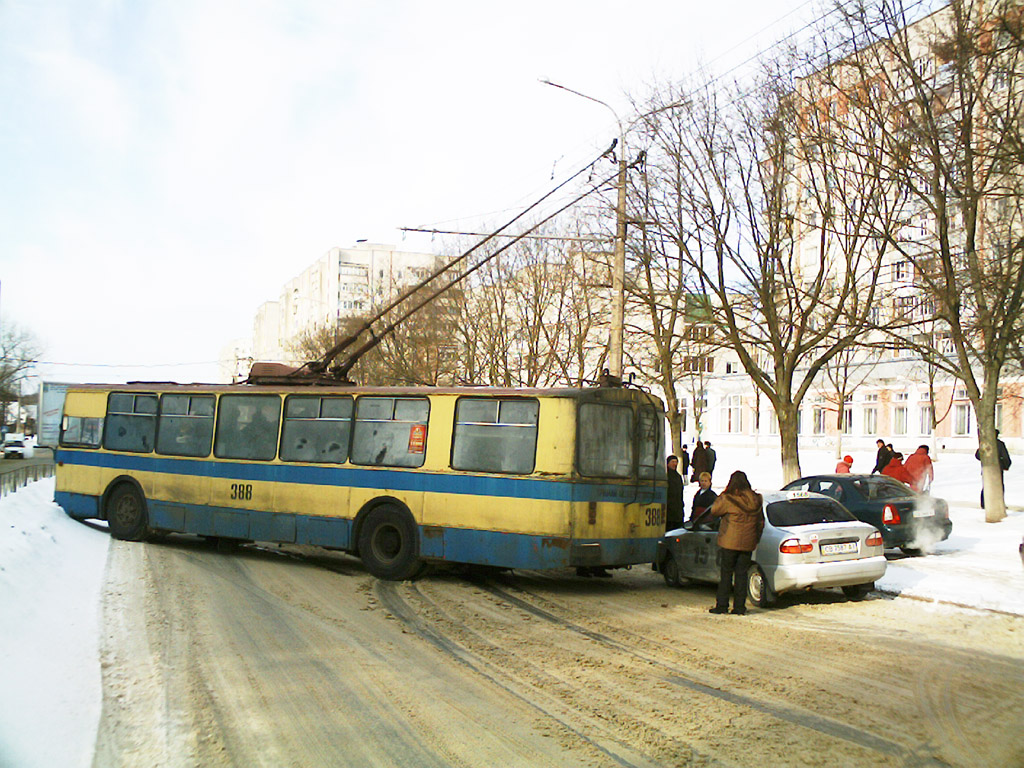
[740, 508]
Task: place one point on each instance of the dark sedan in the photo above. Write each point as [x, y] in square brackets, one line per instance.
[907, 519]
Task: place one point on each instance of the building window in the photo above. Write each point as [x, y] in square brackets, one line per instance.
[926, 419]
[820, 415]
[870, 421]
[848, 421]
[899, 422]
[733, 414]
[962, 419]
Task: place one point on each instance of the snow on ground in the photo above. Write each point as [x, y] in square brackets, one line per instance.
[51, 574]
[52, 568]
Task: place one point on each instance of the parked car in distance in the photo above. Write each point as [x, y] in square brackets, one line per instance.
[809, 540]
[17, 446]
[907, 519]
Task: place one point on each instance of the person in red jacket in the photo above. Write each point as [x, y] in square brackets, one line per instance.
[843, 467]
[919, 466]
[896, 470]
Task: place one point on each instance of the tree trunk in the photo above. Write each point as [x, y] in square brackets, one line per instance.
[789, 443]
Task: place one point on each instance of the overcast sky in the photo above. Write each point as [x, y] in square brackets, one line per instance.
[166, 166]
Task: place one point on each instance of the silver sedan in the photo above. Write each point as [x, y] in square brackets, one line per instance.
[809, 540]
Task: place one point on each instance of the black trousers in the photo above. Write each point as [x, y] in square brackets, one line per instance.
[733, 577]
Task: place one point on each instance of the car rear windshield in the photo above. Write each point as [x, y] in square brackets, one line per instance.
[783, 514]
[881, 488]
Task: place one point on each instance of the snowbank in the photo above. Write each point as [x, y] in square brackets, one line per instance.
[51, 573]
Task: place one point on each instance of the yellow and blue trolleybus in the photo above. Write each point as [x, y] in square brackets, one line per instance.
[400, 477]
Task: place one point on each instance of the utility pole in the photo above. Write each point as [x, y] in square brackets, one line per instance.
[617, 320]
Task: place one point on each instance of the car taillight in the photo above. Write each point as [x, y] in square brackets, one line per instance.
[794, 547]
[890, 515]
[874, 540]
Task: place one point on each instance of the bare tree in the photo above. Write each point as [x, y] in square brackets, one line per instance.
[752, 168]
[20, 350]
[949, 94]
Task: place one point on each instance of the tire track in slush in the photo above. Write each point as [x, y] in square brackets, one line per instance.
[676, 676]
[387, 593]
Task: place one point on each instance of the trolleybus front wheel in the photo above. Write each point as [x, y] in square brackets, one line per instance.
[126, 514]
[388, 546]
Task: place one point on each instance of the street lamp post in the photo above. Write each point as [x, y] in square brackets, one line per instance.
[617, 319]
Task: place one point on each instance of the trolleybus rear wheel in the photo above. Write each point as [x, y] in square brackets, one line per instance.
[126, 514]
[388, 544]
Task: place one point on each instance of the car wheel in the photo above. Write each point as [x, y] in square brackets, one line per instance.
[858, 591]
[126, 514]
[670, 570]
[388, 544]
[911, 551]
[758, 589]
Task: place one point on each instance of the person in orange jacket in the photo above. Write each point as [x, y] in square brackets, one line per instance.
[896, 470]
[843, 467]
[919, 466]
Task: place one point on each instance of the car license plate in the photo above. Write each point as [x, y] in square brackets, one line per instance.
[845, 548]
[924, 512]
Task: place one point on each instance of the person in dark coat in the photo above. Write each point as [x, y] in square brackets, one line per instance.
[684, 464]
[882, 458]
[699, 462]
[1004, 464]
[703, 499]
[740, 508]
[675, 510]
[712, 457]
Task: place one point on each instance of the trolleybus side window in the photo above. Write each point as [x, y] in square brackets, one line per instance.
[390, 431]
[131, 422]
[605, 440]
[247, 427]
[79, 432]
[495, 435]
[316, 429]
[186, 425]
[651, 443]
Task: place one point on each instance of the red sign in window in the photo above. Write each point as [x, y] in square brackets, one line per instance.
[417, 438]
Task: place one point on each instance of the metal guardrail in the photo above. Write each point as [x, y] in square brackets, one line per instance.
[19, 478]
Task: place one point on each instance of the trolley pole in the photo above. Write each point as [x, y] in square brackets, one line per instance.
[618, 310]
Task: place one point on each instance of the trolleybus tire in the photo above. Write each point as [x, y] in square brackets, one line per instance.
[388, 544]
[126, 514]
[758, 589]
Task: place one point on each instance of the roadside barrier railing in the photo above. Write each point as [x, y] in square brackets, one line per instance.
[22, 476]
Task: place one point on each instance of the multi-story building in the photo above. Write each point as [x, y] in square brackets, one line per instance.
[887, 122]
[343, 283]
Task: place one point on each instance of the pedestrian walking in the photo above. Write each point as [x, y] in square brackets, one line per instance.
[684, 463]
[675, 511]
[698, 462]
[882, 458]
[1004, 464]
[919, 467]
[712, 457]
[740, 508]
[843, 467]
